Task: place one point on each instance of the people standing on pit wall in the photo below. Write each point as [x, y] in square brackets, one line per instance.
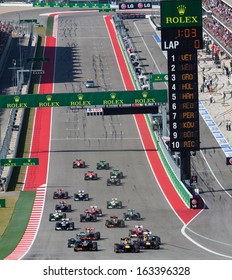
[228, 125]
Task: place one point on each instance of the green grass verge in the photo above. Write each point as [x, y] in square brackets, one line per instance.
[18, 224]
[49, 29]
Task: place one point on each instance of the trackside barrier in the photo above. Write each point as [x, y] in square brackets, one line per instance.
[71, 5]
[178, 185]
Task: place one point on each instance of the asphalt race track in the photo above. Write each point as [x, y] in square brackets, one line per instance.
[84, 51]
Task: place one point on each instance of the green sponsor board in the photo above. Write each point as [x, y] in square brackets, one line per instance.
[155, 78]
[70, 5]
[19, 162]
[38, 59]
[183, 13]
[28, 20]
[85, 99]
[104, 10]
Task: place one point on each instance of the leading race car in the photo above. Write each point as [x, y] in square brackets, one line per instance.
[114, 222]
[56, 216]
[94, 210]
[138, 231]
[102, 164]
[131, 214]
[81, 195]
[79, 163]
[114, 204]
[117, 173]
[60, 194]
[63, 207]
[89, 233]
[85, 245]
[127, 246]
[88, 217]
[90, 175]
[65, 224]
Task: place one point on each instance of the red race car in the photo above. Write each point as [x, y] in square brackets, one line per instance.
[138, 231]
[90, 175]
[78, 163]
[94, 210]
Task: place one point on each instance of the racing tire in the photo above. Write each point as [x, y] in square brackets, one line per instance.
[69, 208]
[87, 196]
[121, 224]
[82, 218]
[57, 225]
[94, 246]
[94, 217]
[66, 194]
[71, 226]
[120, 204]
[64, 215]
[136, 247]
[107, 223]
[116, 248]
[97, 235]
[138, 216]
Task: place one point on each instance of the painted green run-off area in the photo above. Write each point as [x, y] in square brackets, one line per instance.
[18, 223]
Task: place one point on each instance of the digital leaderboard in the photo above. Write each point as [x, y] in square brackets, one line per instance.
[181, 37]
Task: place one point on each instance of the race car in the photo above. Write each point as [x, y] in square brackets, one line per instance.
[65, 224]
[60, 194]
[89, 233]
[114, 222]
[88, 217]
[94, 210]
[85, 245]
[138, 231]
[78, 163]
[56, 216]
[71, 242]
[90, 175]
[127, 246]
[81, 195]
[148, 241]
[113, 180]
[102, 164]
[63, 207]
[117, 173]
[131, 215]
[114, 203]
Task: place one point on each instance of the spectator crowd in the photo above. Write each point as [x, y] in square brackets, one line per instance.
[5, 32]
[220, 25]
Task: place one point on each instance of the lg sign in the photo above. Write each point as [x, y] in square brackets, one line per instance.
[135, 6]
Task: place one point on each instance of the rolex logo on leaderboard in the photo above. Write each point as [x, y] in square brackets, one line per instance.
[181, 18]
[181, 9]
